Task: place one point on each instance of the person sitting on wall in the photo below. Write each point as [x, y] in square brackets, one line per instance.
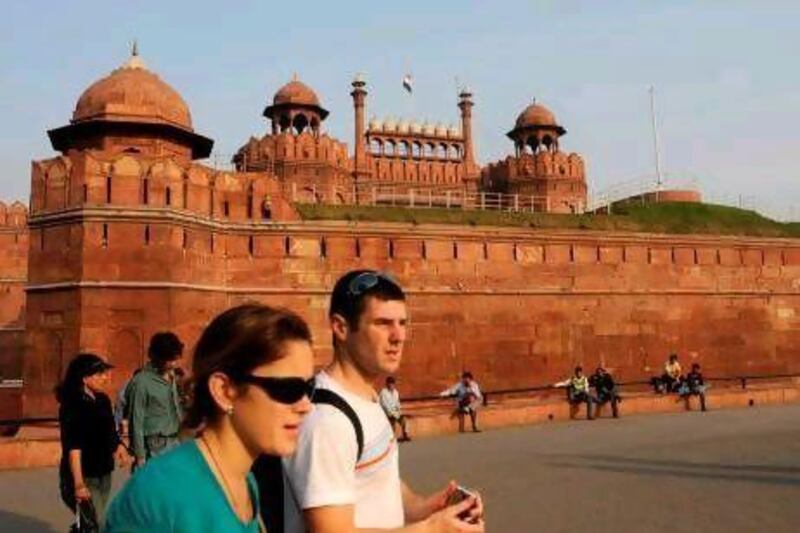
[389, 398]
[694, 385]
[578, 391]
[468, 399]
[605, 390]
[673, 374]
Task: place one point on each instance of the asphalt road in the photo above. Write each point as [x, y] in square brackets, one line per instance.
[731, 471]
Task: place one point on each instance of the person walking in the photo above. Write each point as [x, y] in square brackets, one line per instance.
[345, 473]
[90, 443]
[389, 398]
[152, 400]
[252, 370]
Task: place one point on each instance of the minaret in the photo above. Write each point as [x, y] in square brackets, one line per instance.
[465, 104]
[359, 95]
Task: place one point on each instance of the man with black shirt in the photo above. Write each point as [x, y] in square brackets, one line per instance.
[694, 385]
[605, 390]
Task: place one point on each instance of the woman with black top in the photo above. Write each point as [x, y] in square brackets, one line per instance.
[89, 439]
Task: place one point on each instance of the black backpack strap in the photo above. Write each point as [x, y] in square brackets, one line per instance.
[268, 471]
[328, 397]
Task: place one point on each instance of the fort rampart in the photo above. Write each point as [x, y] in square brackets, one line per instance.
[517, 307]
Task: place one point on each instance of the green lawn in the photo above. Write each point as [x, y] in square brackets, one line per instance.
[680, 218]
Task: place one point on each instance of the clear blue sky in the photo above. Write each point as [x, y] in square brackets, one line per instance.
[725, 73]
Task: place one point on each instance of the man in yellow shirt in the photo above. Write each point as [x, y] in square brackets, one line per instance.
[672, 373]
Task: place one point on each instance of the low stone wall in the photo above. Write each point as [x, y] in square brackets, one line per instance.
[432, 418]
[40, 447]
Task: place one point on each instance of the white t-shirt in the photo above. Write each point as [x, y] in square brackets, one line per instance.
[389, 400]
[323, 470]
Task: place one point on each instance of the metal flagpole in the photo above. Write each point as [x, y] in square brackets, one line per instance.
[659, 180]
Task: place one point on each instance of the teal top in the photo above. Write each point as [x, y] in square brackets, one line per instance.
[177, 492]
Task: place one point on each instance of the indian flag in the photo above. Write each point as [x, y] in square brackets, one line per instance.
[408, 83]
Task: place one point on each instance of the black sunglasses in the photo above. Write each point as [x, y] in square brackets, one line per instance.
[282, 390]
[367, 280]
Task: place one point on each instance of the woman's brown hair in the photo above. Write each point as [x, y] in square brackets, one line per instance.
[234, 343]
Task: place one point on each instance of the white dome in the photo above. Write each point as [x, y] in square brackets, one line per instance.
[428, 129]
[441, 130]
[453, 132]
[402, 127]
[416, 127]
[390, 124]
[376, 125]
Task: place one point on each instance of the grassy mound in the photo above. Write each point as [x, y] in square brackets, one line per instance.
[679, 218]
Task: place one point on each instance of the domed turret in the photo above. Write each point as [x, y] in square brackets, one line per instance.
[295, 107]
[130, 98]
[536, 127]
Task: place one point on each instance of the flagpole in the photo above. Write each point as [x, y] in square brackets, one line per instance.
[659, 180]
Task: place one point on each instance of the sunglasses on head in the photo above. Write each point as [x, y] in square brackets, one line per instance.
[282, 390]
[366, 281]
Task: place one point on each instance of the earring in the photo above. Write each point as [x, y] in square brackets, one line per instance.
[229, 410]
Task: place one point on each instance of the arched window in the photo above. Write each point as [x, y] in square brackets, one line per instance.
[402, 148]
[389, 148]
[300, 123]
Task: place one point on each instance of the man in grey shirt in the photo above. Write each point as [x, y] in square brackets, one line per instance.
[389, 398]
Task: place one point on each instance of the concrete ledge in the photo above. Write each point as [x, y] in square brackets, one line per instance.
[37, 447]
[430, 420]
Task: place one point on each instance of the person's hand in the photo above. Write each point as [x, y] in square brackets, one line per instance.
[447, 520]
[438, 500]
[121, 456]
[476, 511]
[82, 493]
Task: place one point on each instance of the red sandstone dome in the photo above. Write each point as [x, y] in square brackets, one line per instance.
[132, 93]
[536, 115]
[296, 93]
[131, 103]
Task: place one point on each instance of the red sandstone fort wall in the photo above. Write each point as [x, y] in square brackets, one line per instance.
[518, 308]
[13, 273]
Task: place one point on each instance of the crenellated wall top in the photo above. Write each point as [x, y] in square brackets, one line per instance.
[13, 215]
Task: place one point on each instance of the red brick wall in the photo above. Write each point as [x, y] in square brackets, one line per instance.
[517, 308]
[13, 273]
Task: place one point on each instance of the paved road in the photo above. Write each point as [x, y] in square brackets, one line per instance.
[725, 471]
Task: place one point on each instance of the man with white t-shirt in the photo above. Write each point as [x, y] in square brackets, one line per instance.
[344, 476]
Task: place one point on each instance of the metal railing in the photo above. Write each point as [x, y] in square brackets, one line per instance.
[443, 197]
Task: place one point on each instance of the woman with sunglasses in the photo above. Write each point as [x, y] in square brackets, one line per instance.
[252, 379]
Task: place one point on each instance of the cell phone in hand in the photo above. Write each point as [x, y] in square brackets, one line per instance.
[458, 496]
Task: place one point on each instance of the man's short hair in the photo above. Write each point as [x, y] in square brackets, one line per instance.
[466, 375]
[352, 290]
[673, 356]
[164, 346]
[390, 380]
[578, 368]
[695, 366]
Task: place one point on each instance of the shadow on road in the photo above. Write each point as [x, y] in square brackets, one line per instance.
[17, 523]
[766, 474]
